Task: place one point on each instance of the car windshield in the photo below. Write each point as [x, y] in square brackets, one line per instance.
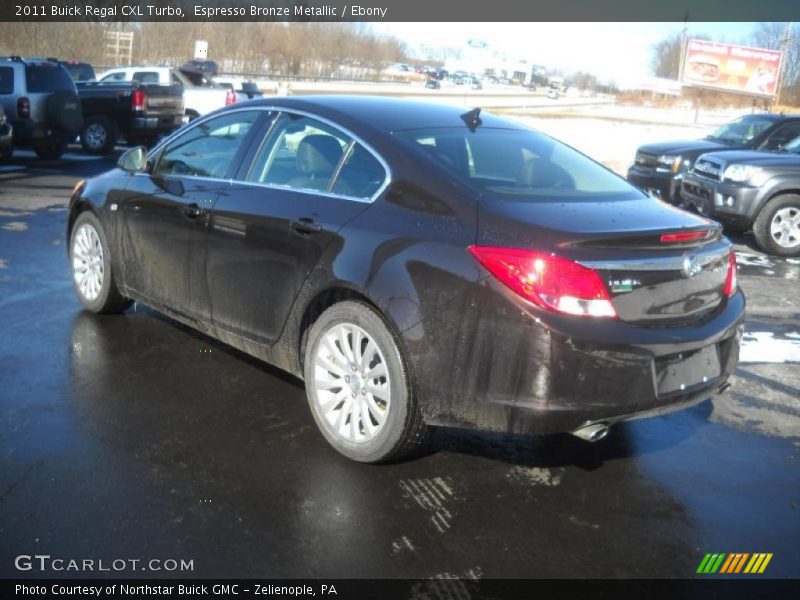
[47, 78]
[743, 129]
[793, 146]
[79, 71]
[518, 165]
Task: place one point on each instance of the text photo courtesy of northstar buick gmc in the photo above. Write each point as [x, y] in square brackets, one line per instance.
[416, 265]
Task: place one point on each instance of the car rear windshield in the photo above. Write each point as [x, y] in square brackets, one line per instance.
[519, 165]
[47, 78]
[79, 71]
[6, 80]
[743, 129]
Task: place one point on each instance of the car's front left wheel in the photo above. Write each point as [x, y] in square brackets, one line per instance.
[358, 385]
[92, 274]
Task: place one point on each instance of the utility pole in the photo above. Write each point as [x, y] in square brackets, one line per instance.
[784, 47]
[684, 41]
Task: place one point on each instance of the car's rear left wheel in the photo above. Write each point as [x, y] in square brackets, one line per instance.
[92, 273]
[358, 386]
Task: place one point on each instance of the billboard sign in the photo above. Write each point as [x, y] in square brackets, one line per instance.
[731, 68]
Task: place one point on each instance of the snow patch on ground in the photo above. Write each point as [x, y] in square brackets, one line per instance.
[534, 476]
[766, 347]
[15, 226]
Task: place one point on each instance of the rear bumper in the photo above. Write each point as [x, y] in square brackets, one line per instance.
[666, 186]
[150, 125]
[512, 368]
[725, 201]
[27, 132]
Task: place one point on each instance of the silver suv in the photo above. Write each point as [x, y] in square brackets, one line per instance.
[41, 102]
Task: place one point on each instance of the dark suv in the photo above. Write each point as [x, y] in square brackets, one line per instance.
[747, 189]
[659, 168]
[41, 101]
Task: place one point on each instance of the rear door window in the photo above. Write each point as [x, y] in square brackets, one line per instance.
[300, 153]
[6, 80]
[47, 78]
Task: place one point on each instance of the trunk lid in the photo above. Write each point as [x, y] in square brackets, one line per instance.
[650, 281]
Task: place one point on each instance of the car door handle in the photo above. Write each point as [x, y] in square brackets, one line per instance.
[193, 211]
[305, 225]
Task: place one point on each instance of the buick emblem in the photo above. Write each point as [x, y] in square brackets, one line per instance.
[691, 266]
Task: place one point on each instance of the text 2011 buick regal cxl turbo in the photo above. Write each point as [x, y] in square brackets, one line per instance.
[416, 265]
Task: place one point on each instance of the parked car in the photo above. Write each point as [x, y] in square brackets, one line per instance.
[243, 88]
[79, 71]
[42, 104]
[6, 133]
[751, 190]
[200, 94]
[433, 84]
[416, 266]
[659, 168]
[140, 113]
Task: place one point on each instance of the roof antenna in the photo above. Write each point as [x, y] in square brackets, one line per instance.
[472, 119]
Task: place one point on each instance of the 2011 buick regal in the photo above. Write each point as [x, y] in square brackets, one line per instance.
[416, 265]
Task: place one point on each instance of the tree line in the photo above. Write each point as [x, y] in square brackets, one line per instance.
[311, 49]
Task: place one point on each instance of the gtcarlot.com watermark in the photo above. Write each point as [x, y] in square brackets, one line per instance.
[44, 563]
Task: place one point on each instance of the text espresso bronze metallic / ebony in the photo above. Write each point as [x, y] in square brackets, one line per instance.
[416, 265]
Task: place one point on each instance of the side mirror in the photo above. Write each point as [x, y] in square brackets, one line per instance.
[134, 160]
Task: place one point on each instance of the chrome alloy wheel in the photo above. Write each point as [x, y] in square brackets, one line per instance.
[96, 136]
[785, 227]
[87, 262]
[352, 383]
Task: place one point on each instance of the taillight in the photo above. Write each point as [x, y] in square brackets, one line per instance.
[24, 108]
[547, 280]
[230, 98]
[138, 100]
[731, 281]
[684, 236]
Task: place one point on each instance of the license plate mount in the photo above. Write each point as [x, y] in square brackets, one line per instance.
[685, 371]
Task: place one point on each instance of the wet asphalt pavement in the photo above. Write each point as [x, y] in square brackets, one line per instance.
[134, 437]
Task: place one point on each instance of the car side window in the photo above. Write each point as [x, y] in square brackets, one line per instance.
[6, 80]
[146, 77]
[299, 153]
[207, 149]
[361, 174]
[119, 76]
[782, 136]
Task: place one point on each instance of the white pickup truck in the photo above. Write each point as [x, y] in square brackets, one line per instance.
[200, 94]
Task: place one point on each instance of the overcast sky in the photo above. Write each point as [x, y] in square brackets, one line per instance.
[618, 51]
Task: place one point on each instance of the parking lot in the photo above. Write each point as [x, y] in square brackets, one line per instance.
[134, 437]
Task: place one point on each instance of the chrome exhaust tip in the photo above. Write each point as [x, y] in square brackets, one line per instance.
[592, 433]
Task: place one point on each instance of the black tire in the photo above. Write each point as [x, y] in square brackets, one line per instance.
[99, 135]
[763, 225]
[51, 151]
[107, 299]
[7, 154]
[403, 431]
